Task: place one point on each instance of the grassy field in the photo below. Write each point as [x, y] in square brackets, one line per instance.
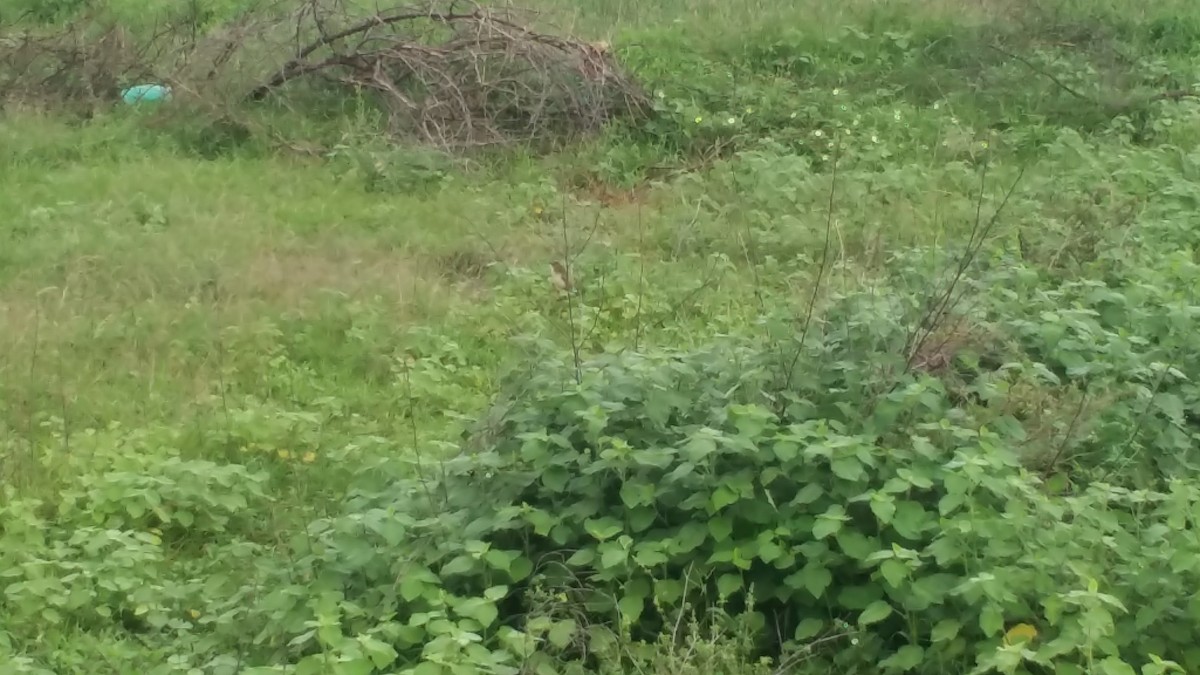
[877, 357]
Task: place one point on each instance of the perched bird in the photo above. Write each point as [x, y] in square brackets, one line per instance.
[559, 277]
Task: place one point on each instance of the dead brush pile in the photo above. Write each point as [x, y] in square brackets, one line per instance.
[451, 74]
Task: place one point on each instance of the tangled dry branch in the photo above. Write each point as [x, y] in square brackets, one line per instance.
[453, 75]
[468, 77]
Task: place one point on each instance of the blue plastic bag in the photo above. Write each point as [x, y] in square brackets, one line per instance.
[146, 93]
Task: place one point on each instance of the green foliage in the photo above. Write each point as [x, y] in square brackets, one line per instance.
[263, 415]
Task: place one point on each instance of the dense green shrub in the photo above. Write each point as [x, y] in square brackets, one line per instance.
[844, 505]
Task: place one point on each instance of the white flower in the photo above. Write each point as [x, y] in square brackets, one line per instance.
[837, 92]
[896, 115]
[874, 138]
[818, 133]
[731, 121]
[937, 105]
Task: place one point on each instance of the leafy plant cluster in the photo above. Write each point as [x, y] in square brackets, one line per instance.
[854, 519]
[800, 89]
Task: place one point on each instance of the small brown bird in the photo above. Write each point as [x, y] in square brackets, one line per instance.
[560, 277]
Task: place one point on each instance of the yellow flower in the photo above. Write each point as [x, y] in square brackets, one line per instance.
[749, 110]
[194, 614]
[284, 454]
[699, 119]
[1021, 632]
[309, 457]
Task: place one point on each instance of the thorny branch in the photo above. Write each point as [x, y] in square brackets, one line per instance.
[453, 74]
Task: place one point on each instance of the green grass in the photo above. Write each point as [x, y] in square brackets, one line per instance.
[228, 371]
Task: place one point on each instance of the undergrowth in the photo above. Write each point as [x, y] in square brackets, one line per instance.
[869, 350]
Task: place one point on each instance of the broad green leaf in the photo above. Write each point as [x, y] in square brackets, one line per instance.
[463, 564]
[847, 468]
[991, 620]
[314, 664]
[816, 578]
[648, 555]
[950, 503]
[722, 497]
[946, 629]
[699, 446]
[412, 587]
[911, 520]
[631, 607]
[883, 507]
[429, 668]
[721, 528]
[728, 584]
[855, 544]
[689, 537]
[360, 666]
[541, 521]
[1058, 483]
[612, 555]
[555, 478]
[1113, 665]
[603, 528]
[381, 653]
[635, 494]
[907, 658]
[786, 451]
[410, 635]
[824, 527]
[808, 494]
[808, 629]
[561, 633]
[659, 458]
[680, 472]
[641, 518]
[895, 572]
[520, 568]
[874, 613]
[769, 551]
[830, 522]
[914, 478]
[667, 591]
[500, 560]
[582, 558]
[479, 609]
